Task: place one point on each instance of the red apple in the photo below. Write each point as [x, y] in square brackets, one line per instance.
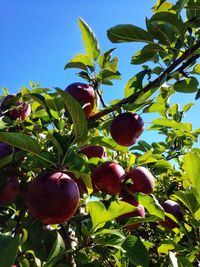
[5, 150]
[108, 177]
[18, 109]
[53, 197]
[94, 151]
[143, 180]
[126, 128]
[84, 94]
[173, 208]
[140, 211]
[81, 186]
[10, 191]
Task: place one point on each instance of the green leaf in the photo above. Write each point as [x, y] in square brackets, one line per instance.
[136, 220]
[89, 39]
[180, 4]
[164, 248]
[162, 5]
[160, 32]
[151, 204]
[77, 114]
[173, 124]
[54, 104]
[134, 84]
[116, 209]
[108, 74]
[128, 33]
[184, 262]
[136, 251]
[191, 165]
[80, 61]
[56, 251]
[105, 58]
[147, 53]
[4, 161]
[8, 247]
[21, 141]
[196, 69]
[188, 107]
[172, 19]
[189, 85]
[188, 198]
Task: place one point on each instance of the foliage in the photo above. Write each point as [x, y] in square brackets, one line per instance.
[50, 139]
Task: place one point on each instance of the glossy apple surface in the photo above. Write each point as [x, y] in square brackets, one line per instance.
[84, 94]
[126, 128]
[143, 180]
[173, 208]
[5, 150]
[53, 197]
[94, 151]
[140, 211]
[9, 193]
[17, 110]
[108, 177]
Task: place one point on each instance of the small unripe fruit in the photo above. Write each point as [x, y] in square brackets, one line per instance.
[9, 193]
[140, 211]
[5, 150]
[143, 180]
[173, 208]
[108, 177]
[126, 128]
[53, 197]
[84, 94]
[94, 151]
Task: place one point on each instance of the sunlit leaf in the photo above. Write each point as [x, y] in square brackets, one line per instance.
[77, 114]
[128, 33]
[136, 251]
[89, 39]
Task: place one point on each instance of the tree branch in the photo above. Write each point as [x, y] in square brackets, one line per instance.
[157, 82]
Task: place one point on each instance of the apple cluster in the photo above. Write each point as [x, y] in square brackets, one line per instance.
[53, 196]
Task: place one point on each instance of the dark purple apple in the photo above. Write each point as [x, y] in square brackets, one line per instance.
[143, 180]
[17, 109]
[10, 191]
[53, 197]
[173, 208]
[81, 186]
[108, 177]
[94, 151]
[140, 211]
[5, 150]
[84, 94]
[126, 128]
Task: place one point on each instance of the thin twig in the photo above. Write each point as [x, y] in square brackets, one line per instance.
[157, 82]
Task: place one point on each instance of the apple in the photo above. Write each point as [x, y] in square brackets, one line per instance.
[143, 180]
[18, 109]
[126, 128]
[140, 211]
[108, 177]
[10, 190]
[53, 197]
[94, 151]
[5, 150]
[173, 208]
[84, 94]
[81, 186]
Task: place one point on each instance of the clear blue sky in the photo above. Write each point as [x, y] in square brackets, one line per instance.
[38, 37]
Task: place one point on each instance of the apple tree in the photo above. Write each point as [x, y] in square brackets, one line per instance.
[79, 185]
